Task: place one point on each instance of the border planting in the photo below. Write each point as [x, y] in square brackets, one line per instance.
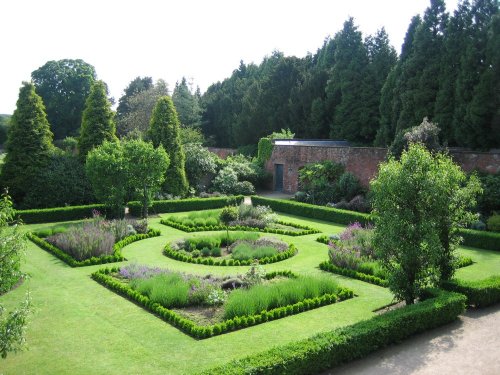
[185, 228]
[481, 239]
[187, 326]
[326, 350]
[189, 204]
[210, 261]
[479, 293]
[72, 262]
[50, 215]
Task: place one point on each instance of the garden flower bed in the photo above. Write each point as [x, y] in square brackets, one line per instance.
[92, 242]
[236, 249]
[248, 218]
[207, 306]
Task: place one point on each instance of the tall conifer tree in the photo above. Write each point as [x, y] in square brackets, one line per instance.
[164, 130]
[98, 124]
[29, 143]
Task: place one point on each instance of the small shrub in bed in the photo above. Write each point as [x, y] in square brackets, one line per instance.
[245, 251]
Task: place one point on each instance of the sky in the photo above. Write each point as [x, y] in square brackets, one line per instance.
[202, 40]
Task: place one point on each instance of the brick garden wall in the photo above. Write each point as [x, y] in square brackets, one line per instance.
[363, 162]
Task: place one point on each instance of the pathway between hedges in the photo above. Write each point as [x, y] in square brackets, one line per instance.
[471, 345]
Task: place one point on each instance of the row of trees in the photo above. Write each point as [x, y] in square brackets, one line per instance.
[37, 171]
[360, 90]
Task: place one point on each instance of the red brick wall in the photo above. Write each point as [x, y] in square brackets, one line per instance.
[222, 152]
[363, 162]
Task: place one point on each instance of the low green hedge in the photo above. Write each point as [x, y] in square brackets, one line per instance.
[210, 261]
[179, 205]
[326, 350]
[312, 211]
[481, 239]
[186, 228]
[201, 332]
[116, 257]
[329, 267]
[49, 215]
[480, 293]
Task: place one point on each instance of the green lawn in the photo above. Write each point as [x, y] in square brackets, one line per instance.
[80, 327]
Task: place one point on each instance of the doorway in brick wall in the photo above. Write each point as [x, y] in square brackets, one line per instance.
[278, 177]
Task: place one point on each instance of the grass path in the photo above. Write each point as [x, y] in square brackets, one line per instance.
[79, 327]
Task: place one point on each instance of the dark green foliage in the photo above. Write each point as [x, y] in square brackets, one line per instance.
[50, 215]
[4, 125]
[117, 255]
[312, 211]
[62, 182]
[327, 350]
[187, 104]
[98, 124]
[480, 293]
[136, 86]
[190, 204]
[29, 144]
[481, 239]
[64, 86]
[164, 130]
[493, 223]
[489, 200]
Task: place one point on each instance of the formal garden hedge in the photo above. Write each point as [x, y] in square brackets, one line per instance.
[326, 350]
[479, 293]
[116, 257]
[201, 228]
[190, 204]
[481, 239]
[329, 267]
[50, 215]
[210, 261]
[187, 326]
[312, 211]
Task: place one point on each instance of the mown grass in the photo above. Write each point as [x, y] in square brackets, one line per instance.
[79, 327]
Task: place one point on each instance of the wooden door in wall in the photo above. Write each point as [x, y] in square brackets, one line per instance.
[278, 177]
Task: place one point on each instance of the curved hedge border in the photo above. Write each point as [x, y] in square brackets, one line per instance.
[49, 215]
[326, 350]
[473, 238]
[312, 211]
[117, 247]
[201, 332]
[480, 293]
[210, 261]
[180, 205]
[327, 266]
[185, 228]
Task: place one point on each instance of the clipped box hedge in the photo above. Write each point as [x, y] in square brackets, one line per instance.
[179, 205]
[329, 267]
[312, 211]
[326, 350]
[481, 239]
[480, 293]
[50, 215]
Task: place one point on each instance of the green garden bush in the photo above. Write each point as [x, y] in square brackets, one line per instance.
[50, 215]
[480, 293]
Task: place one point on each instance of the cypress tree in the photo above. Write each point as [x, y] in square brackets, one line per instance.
[98, 123]
[164, 130]
[29, 143]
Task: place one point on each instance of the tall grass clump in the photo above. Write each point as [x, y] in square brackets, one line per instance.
[245, 251]
[260, 297]
[167, 289]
